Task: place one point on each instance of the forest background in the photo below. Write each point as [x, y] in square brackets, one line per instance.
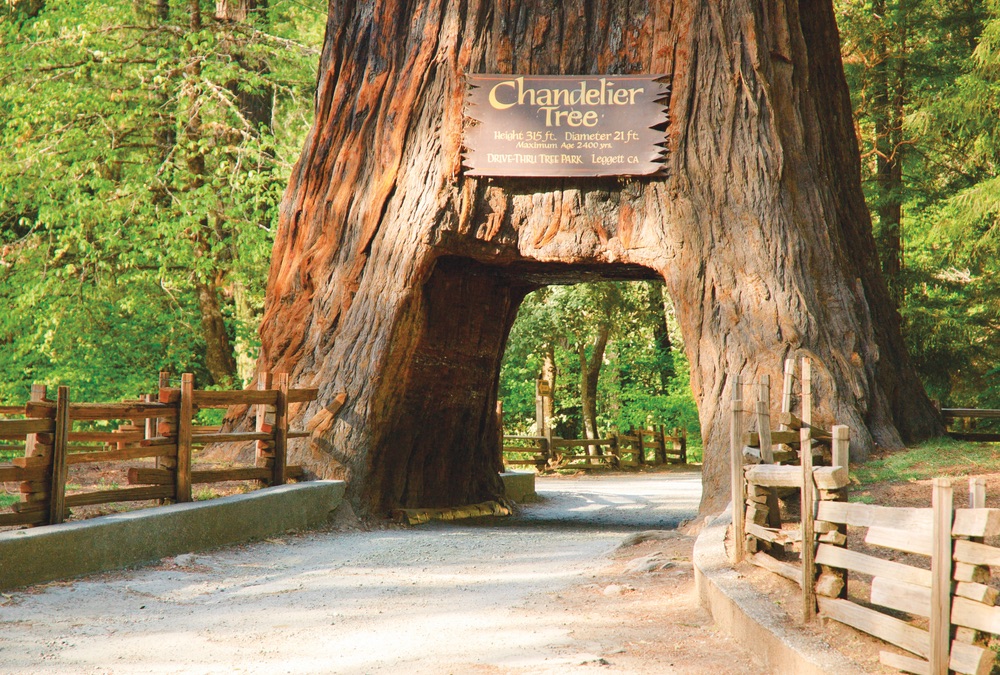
[145, 146]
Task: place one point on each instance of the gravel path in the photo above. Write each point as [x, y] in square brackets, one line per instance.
[439, 598]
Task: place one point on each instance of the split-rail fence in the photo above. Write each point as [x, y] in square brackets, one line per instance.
[928, 569]
[637, 447]
[160, 427]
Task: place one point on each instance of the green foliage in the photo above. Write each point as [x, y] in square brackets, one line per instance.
[133, 174]
[642, 380]
[936, 64]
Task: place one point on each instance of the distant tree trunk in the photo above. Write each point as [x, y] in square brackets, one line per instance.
[661, 337]
[888, 106]
[549, 372]
[590, 374]
[218, 348]
[395, 278]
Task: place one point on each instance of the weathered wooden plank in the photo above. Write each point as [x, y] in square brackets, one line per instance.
[978, 592]
[223, 399]
[979, 574]
[972, 614]
[119, 455]
[15, 518]
[223, 475]
[303, 434]
[907, 664]
[870, 515]
[280, 430]
[15, 430]
[121, 495]
[752, 438]
[884, 627]
[146, 476]
[910, 541]
[302, 395]
[899, 595]
[971, 413]
[783, 569]
[105, 437]
[577, 442]
[233, 437]
[774, 475]
[976, 523]
[971, 659]
[866, 564]
[10, 473]
[182, 479]
[943, 507]
[975, 553]
[808, 514]
[83, 412]
[974, 437]
[736, 481]
[59, 467]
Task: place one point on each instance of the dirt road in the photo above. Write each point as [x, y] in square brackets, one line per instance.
[544, 592]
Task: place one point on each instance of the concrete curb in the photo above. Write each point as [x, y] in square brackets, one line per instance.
[73, 549]
[519, 486]
[752, 618]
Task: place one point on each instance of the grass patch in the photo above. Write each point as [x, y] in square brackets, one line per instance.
[936, 457]
[7, 501]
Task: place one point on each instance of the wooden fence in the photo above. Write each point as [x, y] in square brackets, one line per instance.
[637, 447]
[969, 415]
[159, 427]
[941, 583]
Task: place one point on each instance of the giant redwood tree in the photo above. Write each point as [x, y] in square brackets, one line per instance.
[395, 277]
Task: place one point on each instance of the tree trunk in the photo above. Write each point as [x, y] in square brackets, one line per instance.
[395, 278]
[218, 348]
[549, 373]
[590, 375]
[661, 337]
[888, 104]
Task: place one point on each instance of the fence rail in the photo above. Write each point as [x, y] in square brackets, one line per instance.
[637, 447]
[968, 414]
[159, 427]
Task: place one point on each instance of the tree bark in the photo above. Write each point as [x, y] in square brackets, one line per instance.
[888, 104]
[395, 278]
[590, 374]
[661, 336]
[218, 349]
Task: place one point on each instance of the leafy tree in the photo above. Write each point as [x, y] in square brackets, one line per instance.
[924, 78]
[618, 338]
[139, 185]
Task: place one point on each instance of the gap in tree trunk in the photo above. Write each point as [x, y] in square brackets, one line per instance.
[440, 448]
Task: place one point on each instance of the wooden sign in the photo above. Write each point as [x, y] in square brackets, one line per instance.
[564, 125]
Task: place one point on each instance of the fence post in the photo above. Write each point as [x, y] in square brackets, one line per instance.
[786, 389]
[841, 457]
[641, 456]
[977, 493]
[39, 447]
[736, 476]
[57, 483]
[764, 419]
[940, 619]
[185, 414]
[264, 449]
[280, 431]
[808, 496]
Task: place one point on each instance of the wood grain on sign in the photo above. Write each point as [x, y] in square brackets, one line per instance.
[564, 125]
